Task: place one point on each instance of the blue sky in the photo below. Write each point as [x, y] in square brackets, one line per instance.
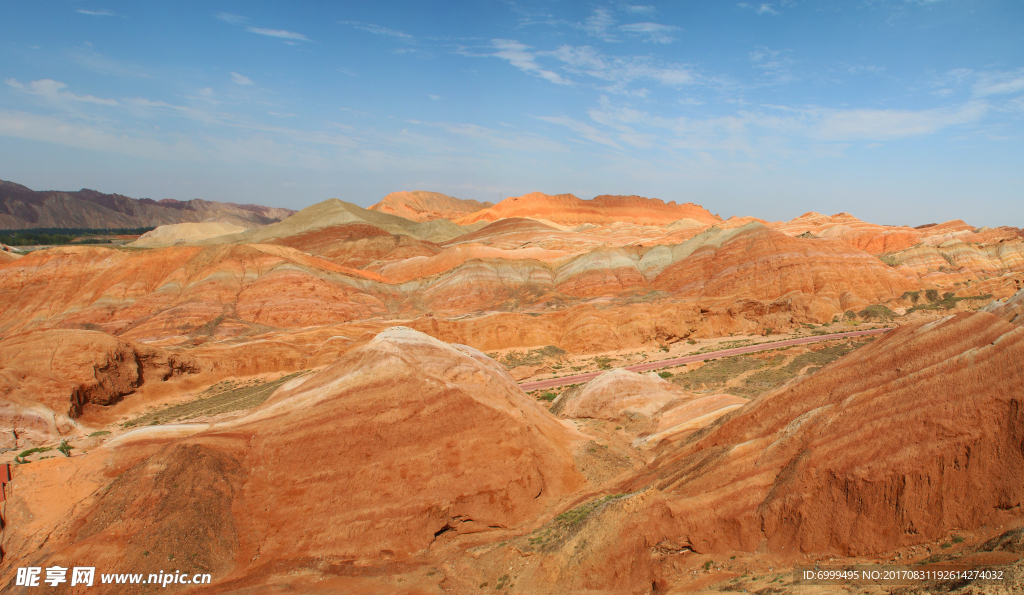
[898, 111]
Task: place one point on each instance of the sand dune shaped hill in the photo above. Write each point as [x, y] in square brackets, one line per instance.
[420, 205]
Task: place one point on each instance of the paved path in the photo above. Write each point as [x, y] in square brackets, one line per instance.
[689, 359]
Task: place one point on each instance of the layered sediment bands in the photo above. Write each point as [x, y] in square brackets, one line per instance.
[901, 442]
[69, 369]
[763, 264]
[566, 209]
[49, 378]
[619, 395]
[420, 205]
[1010, 309]
[400, 446]
[958, 261]
[358, 245]
[176, 291]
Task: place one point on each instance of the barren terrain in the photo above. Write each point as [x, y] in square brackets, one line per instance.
[547, 395]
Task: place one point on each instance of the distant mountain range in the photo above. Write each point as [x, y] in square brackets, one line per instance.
[24, 208]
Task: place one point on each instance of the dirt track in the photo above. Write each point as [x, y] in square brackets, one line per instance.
[689, 359]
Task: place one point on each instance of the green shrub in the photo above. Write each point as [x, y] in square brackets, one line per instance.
[932, 295]
[548, 396]
[65, 448]
[665, 374]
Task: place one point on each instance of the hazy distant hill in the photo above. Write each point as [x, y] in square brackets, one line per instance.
[23, 208]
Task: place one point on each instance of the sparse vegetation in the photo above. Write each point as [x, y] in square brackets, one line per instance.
[534, 357]
[65, 448]
[877, 311]
[549, 396]
[948, 301]
[99, 433]
[223, 397]
[665, 374]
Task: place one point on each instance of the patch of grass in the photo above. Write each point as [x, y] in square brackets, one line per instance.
[913, 295]
[948, 301]
[932, 295]
[957, 539]
[665, 374]
[604, 363]
[33, 451]
[569, 522]
[534, 357]
[877, 311]
[100, 433]
[889, 260]
[717, 372]
[547, 396]
[226, 397]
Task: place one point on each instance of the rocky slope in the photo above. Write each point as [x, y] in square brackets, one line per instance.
[420, 206]
[566, 209]
[899, 443]
[22, 208]
[401, 450]
[49, 378]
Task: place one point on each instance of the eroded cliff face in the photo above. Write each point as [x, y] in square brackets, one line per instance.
[899, 443]
[49, 377]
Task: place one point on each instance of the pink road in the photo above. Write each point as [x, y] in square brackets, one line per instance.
[689, 359]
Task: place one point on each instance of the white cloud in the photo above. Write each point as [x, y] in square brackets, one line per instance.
[435, 97]
[651, 32]
[278, 33]
[240, 79]
[759, 9]
[518, 55]
[598, 23]
[622, 71]
[241, 21]
[582, 128]
[102, 12]
[999, 83]
[378, 30]
[886, 124]
[55, 91]
[232, 19]
[638, 8]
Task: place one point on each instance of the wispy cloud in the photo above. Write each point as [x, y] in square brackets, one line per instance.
[774, 63]
[101, 12]
[759, 8]
[241, 21]
[378, 30]
[598, 24]
[620, 71]
[651, 32]
[582, 128]
[240, 79]
[56, 91]
[888, 124]
[520, 56]
[278, 33]
[999, 83]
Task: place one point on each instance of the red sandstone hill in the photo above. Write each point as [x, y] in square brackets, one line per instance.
[899, 443]
[402, 448]
[22, 208]
[566, 209]
[420, 205]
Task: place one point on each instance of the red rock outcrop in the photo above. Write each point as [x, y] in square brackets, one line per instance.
[398, 448]
[420, 205]
[566, 209]
[762, 264]
[916, 435]
[68, 371]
